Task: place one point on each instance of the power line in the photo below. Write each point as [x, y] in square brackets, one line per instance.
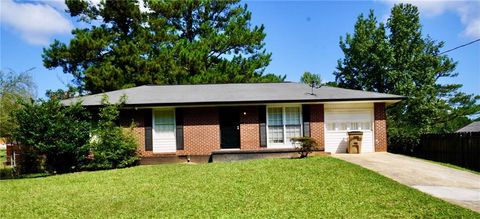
[458, 47]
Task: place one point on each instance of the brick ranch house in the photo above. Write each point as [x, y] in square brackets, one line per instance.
[198, 120]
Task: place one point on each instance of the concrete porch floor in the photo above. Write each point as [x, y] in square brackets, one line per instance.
[452, 185]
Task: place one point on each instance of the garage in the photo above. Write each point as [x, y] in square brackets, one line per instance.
[343, 118]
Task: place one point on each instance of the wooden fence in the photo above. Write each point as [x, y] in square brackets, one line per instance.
[461, 149]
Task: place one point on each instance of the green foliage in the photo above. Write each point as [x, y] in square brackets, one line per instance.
[305, 145]
[59, 133]
[61, 94]
[331, 84]
[173, 42]
[110, 145]
[366, 53]
[13, 88]
[395, 58]
[69, 140]
[7, 172]
[313, 80]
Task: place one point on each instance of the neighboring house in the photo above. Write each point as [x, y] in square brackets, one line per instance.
[3, 146]
[472, 127]
[3, 143]
[199, 119]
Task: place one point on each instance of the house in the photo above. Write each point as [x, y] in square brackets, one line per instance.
[3, 143]
[189, 120]
[472, 127]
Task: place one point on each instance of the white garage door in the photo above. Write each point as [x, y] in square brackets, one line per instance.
[339, 123]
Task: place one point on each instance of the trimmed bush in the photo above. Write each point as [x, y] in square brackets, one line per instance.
[304, 145]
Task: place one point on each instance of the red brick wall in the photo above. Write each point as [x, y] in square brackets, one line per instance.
[317, 118]
[249, 128]
[380, 127]
[138, 117]
[201, 130]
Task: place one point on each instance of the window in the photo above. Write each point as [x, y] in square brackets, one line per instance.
[349, 126]
[284, 123]
[354, 126]
[331, 126]
[164, 121]
[293, 125]
[275, 125]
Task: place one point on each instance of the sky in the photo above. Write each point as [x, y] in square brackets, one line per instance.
[301, 35]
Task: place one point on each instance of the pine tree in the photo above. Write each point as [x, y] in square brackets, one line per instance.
[170, 42]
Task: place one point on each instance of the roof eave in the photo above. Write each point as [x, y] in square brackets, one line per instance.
[388, 100]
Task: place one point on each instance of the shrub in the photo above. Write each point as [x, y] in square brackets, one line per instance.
[111, 146]
[30, 161]
[304, 145]
[403, 141]
[7, 172]
[55, 131]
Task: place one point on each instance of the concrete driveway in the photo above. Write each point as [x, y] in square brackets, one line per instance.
[452, 185]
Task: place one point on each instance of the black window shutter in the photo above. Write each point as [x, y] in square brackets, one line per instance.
[179, 128]
[262, 117]
[306, 120]
[148, 130]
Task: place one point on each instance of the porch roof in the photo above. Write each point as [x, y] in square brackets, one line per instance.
[209, 94]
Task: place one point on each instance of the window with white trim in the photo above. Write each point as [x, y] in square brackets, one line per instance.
[349, 126]
[164, 121]
[275, 125]
[284, 123]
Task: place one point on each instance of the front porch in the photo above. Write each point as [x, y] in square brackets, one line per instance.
[228, 156]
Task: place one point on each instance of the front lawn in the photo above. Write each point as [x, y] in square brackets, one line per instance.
[314, 187]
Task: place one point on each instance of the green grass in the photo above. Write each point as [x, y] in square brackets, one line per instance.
[303, 188]
[454, 166]
[447, 165]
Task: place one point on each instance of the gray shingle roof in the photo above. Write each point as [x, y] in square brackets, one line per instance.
[472, 127]
[230, 93]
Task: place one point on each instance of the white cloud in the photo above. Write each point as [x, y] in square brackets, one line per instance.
[36, 22]
[468, 11]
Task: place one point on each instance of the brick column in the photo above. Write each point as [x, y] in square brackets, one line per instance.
[138, 118]
[317, 118]
[249, 128]
[201, 130]
[380, 127]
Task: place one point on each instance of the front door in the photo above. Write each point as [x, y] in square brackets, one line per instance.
[229, 128]
[164, 140]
